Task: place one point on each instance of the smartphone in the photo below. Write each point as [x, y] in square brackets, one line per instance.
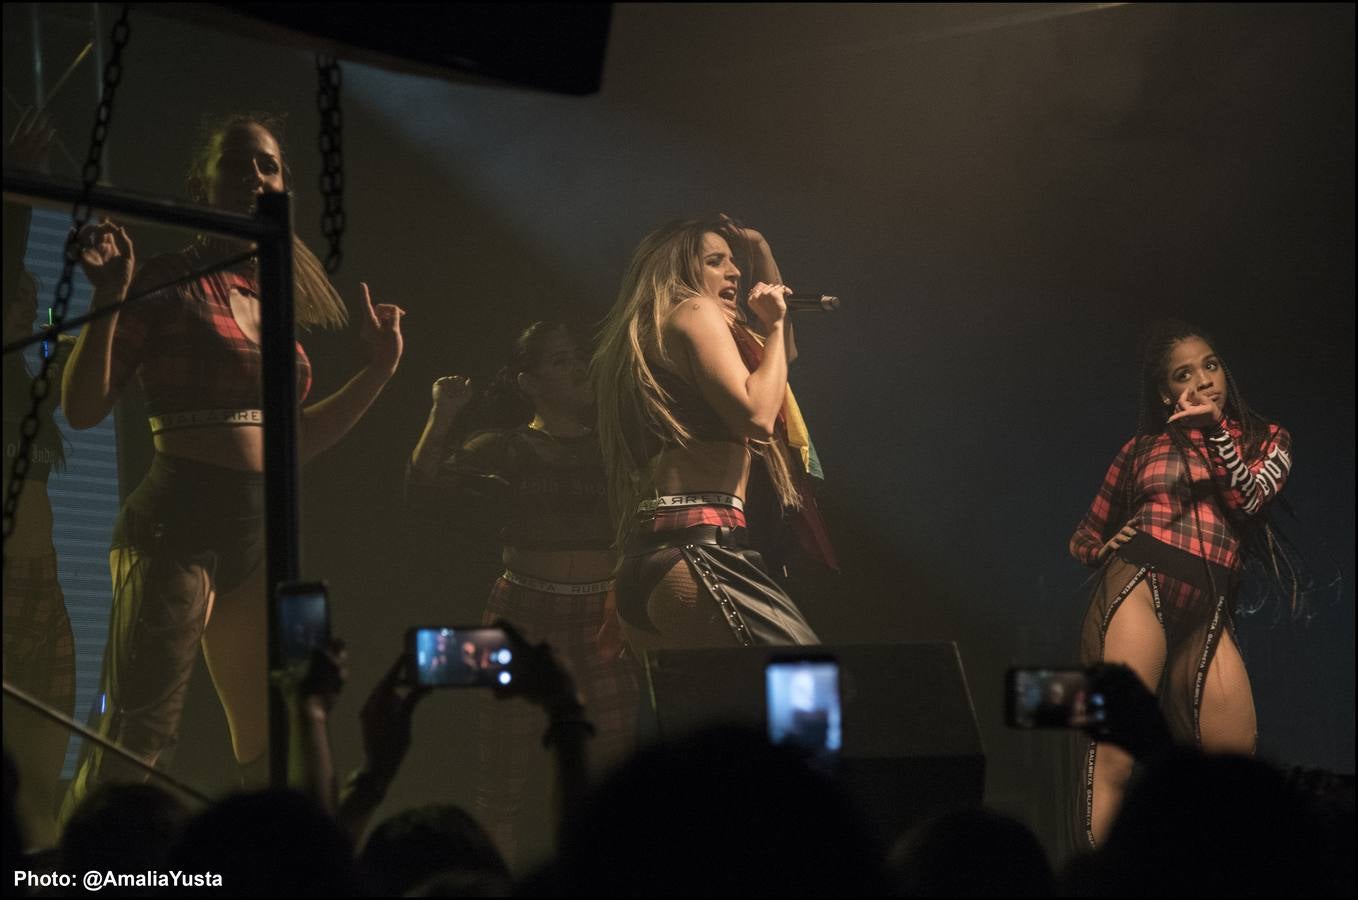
[1051, 698]
[303, 618]
[460, 657]
[802, 694]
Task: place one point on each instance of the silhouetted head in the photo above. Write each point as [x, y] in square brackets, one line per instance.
[418, 844]
[1198, 824]
[970, 853]
[719, 813]
[269, 844]
[123, 828]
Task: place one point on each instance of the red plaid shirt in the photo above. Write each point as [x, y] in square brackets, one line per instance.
[1167, 501]
[185, 344]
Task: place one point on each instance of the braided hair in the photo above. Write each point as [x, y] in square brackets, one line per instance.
[1268, 556]
[503, 404]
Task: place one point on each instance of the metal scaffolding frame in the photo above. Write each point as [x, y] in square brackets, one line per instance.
[271, 230]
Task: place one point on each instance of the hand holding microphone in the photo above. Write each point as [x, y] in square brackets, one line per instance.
[766, 302]
[794, 302]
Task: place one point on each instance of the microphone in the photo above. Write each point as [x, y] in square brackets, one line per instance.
[811, 303]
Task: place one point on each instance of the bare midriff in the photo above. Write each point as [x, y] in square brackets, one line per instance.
[564, 566]
[717, 466]
[239, 447]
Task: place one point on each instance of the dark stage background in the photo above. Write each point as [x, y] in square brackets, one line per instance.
[1003, 195]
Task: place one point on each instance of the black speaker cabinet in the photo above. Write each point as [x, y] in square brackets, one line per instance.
[911, 747]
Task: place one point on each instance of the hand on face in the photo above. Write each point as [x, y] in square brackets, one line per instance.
[1196, 410]
[381, 329]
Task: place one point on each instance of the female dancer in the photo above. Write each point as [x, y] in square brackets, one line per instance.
[1180, 505]
[188, 548]
[538, 482]
[39, 647]
[681, 417]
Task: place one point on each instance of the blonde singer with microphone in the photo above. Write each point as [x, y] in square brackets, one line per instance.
[683, 418]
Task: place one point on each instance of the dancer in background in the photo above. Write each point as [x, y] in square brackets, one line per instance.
[39, 647]
[536, 482]
[1181, 505]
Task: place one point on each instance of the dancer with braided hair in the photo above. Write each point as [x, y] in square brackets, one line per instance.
[521, 462]
[1180, 507]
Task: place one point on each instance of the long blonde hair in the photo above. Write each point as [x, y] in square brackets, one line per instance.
[665, 270]
[316, 302]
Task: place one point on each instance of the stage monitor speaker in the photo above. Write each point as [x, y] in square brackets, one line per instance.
[911, 746]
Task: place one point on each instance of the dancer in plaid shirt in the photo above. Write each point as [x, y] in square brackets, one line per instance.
[682, 417]
[537, 484]
[1176, 512]
[188, 547]
[39, 647]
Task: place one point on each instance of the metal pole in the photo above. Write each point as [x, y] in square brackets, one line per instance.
[97, 38]
[70, 724]
[144, 206]
[272, 232]
[35, 35]
[280, 442]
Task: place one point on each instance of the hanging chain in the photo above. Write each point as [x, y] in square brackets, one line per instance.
[332, 157]
[80, 217]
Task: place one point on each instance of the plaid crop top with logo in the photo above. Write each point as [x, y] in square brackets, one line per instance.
[186, 346]
[1189, 508]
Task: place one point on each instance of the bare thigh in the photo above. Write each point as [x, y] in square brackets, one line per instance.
[236, 648]
[1136, 638]
[1226, 721]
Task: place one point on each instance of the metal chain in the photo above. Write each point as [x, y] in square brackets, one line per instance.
[80, 217]
[332, 157]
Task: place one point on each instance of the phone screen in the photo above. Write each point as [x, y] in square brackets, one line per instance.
[1051, 698]
[460, 657]
[803, 705]
[303, 621]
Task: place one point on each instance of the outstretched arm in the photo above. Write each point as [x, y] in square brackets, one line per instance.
[326, 422]
[386, 719]
[309, 691]
[451, 394]
[89, 384]
[543, 680]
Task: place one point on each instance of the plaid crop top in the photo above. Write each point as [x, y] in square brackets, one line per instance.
[1170, 504]
[185, 344]
[533, 490]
